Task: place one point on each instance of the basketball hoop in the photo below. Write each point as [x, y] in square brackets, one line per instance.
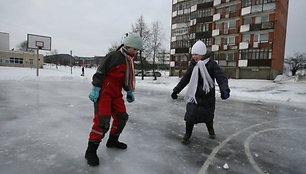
[39, 43]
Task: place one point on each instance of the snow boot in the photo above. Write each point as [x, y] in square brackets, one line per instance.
[91, 154]
[186, 138]
[211, 130]
[113, 142]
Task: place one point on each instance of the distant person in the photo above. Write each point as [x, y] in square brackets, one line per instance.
[83, 71]
[200, 95]
[115, 72]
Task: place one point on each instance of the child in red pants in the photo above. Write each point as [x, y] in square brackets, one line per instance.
[115, 72]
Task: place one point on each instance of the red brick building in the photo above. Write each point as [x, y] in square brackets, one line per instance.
[246, 37]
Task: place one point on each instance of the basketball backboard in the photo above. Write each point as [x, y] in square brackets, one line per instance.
[37, 41]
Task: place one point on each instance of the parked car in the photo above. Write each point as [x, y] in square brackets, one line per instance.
[138, 73]
[151, 74]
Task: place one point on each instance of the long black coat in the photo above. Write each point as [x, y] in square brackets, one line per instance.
[203, 112]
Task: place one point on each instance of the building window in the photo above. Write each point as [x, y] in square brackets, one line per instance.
[261, 19]
[229, 56]
[265, 18]
[202, 13]
[219, 10]
[246, 38]
[14, 60]
[255, 54]
[261, 38]
[244, 54]
[231, 9]
[217, 40]
[257, 2]
[202, 27]
[229, 24]
[193, 2]
[207, 41]
[229, 40]
[31, 61]
[180, 58]
[247, 20]
[246, 3]
[258, 20]
[218, 26]
[268, 1]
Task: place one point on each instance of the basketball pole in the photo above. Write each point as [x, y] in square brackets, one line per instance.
[37, 66]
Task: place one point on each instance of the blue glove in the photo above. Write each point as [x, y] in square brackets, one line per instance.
[225, 94]
[130, 96]
[94, 94]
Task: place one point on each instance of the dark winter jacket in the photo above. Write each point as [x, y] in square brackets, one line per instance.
[110, 74]
[204, 110]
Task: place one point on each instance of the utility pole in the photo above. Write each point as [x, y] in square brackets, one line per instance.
[71, 60]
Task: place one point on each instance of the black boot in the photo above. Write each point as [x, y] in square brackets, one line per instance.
[211, 131]
[91, 154]
[113, 142]
[186, 138]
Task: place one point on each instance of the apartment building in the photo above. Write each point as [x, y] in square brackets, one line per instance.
[246, 37]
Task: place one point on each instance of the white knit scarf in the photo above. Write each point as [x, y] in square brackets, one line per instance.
[193, 83]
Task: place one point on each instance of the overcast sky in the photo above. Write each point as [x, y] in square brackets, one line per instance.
[90, 27]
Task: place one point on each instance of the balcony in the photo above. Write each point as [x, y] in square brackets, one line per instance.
[244, 28]
[172, 51]
[258, 8]
[233, 47]
[217, 2]
[262, 26]
[216, 32]
[182, 50]
[267, 25]
[216, 17]
[205, 34]
[243, 45]
[215, 48]
[193, 8]
[243, 63]
[205, 19]
[255, 27]
[262, 44]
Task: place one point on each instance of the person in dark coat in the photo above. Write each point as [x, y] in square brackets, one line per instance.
[200, 95]
[83, 71]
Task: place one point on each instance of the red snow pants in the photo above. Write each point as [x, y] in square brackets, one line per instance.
[110, 105]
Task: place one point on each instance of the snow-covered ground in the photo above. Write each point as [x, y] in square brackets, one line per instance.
[284, 90]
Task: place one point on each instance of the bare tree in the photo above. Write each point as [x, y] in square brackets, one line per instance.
[296, 62]
[156, 42]
[144, 32]
[23, 46]
[113, 47]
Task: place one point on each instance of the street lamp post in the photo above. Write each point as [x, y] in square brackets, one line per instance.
[71, 61]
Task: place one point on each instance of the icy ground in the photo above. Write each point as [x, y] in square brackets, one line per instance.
[45, 121]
